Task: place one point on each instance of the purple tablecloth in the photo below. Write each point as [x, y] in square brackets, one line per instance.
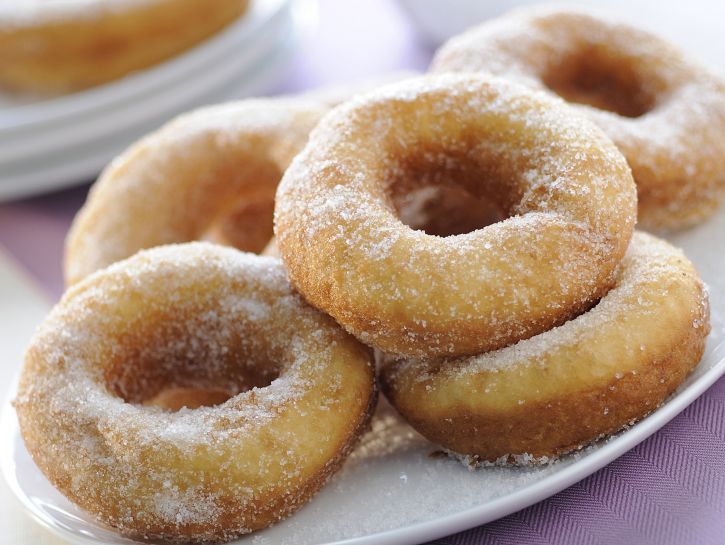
[668, 490]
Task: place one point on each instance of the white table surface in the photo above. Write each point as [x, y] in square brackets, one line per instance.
[22, 307]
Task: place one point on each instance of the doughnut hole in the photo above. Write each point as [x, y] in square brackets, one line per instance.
[175, 358]
[246, 221]
[601, 77]
[446, 210]
[447, 192]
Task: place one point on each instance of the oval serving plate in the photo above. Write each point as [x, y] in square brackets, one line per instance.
[391, 491]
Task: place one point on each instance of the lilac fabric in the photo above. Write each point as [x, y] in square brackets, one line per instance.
[668, 490]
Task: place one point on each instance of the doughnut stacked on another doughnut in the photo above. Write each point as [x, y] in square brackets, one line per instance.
[564, 189]
[188, 325]
[464, 365]
[474, 228]
[663, 110]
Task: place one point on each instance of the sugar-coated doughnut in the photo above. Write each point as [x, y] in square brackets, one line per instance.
[190, 322]
[665, 112]
[564, 189]
[50, 47]
[181, 182]
[566, 387]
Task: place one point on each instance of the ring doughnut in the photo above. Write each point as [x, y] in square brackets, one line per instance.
[177, 183]
[565, 191]
[665, 112]
[564, 388]
[192, 317]
[57, 47]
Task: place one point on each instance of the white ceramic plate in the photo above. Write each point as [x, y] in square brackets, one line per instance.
[79, 162]
[390, 491]
[18, 113]
[21, 146]
[66, 141]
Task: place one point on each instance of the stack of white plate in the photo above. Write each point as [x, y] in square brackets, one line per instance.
[67, 140]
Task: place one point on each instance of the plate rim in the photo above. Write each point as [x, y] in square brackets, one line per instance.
[611, 450]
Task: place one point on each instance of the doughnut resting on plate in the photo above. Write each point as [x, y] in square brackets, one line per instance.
[191, 325]
[564, 388]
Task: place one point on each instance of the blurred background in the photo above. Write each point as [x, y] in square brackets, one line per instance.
[52, 148]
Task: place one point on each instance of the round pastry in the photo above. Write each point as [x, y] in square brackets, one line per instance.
[565, 192]
[199, 323]
[51, 47]
[217, 165]
[564, 388]
[665, 112]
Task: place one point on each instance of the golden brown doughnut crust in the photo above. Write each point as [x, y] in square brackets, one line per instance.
[663, 110]
[568, 386]
[95, 43]
[178, 183]
[565, 190]
[158, 326]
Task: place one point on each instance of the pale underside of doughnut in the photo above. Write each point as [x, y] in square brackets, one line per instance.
[663, 110]
[173, 319]
[568, 386]
[567, 192]
[176, 183]
[58, 47]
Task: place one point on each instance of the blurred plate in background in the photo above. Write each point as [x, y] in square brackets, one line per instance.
[67, 140]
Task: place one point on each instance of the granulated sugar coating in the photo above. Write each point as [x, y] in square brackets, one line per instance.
[191, 316]
[663, 110]
[564, 388]
[184, 180]
[566, 191]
